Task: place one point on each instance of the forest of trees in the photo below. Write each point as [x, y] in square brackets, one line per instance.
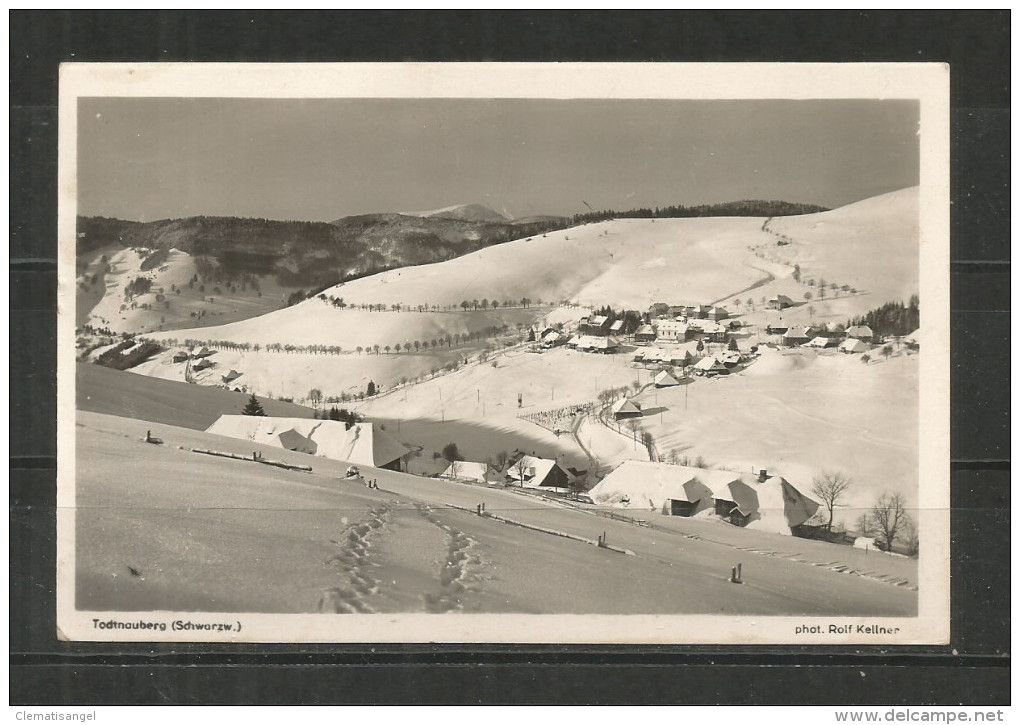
[304, 254]
[137, 286]
[117, 359]
[751, 207]
[892, 318]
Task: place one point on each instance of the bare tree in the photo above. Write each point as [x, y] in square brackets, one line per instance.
[520, 469]
[830, 488]
[864, 525]
[889, 515]
[315, 397]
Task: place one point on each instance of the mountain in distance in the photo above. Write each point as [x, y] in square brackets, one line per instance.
[462, 212]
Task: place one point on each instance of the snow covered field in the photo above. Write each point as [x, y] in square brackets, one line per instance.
[100, 304]
[159, 527]
[799, 413]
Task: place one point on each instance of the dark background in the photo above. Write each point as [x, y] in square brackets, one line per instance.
[973, 669]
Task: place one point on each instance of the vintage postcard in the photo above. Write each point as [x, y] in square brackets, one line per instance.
[513, 353]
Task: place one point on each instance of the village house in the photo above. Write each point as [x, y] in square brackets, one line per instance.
[665, 380]
[181, 356]
[590, 343]
[597, 325]
[202, 352]
[660, 487]
[795, 336]
[658, 309]
[626, 408]
[553, 339]
[852, 345]
[861, 332]
[707, 330]
[769, 503]
[779, 302]
[670, 331]
[533, 472]
[616, 328]
[717, 313]
[201, 365]
[710, 366]
[231, 376]
[645, 333]
[821, 342]
[699, 312]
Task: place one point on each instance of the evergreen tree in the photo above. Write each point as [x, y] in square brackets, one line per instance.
[254, 407]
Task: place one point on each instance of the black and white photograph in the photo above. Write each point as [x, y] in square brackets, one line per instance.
[504, 353]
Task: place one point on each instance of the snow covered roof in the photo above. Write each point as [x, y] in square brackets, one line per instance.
[818, 342]
[859, 331]
[294, 441]
[535, 470]
[363, 443]
[707, 363]
[626, 405]
[551, 336]
[853, 345]
[616, 326]
[781, 298]
[773, 505]
[664, 379]
[649, 485]
[645, 330]
[598, 320]
[795, 334]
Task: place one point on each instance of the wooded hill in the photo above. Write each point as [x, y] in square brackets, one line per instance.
[309, 254]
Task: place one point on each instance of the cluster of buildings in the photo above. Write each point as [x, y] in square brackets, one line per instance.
[201, 355]
[687, 312]
[521, 470]
[757, 501]
[855, 339]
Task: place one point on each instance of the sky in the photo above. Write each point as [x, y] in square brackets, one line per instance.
[318, 160]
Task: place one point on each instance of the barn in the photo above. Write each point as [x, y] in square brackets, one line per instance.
[625, 408]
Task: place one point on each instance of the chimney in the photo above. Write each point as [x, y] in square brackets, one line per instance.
[762, 475]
